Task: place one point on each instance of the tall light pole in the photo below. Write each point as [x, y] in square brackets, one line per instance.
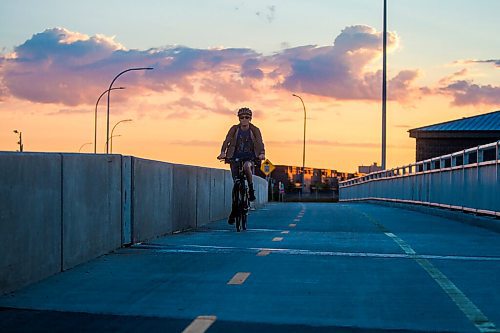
[95, 117]
[384, 87]
[20, 142]
[304, 145]
[109, 93]
[111, 138]
[86, 143]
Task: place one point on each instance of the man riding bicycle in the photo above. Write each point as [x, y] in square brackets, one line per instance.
[243, 142]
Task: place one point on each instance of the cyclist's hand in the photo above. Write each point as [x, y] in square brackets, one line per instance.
[221, 156]
[262, 157]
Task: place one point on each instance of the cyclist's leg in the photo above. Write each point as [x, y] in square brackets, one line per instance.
[248, 167]
[234, 201]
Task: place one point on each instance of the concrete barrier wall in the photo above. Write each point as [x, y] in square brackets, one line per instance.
[218, 206]
[151, 199]
[91, 220]
[184, 201]
[203, 196]
[60, 210]
[30, 218]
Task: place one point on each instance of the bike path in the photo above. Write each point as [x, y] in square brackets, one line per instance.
[299, 268]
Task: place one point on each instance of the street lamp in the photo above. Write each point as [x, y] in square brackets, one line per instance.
[109, 93]
[20, 142]
[384, 86]
[111, 138]
[95, 117]
[304, 146]
[86, 143]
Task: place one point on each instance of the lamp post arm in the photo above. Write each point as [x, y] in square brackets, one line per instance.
[109, 91]
[95, 117]
[304, 143]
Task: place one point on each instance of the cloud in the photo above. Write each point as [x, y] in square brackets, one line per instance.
[335, 144]
[466, 92]
[71, 68]
[192, 143]
[341, 70]
[268, 14]
[69, 111]
[495, 62]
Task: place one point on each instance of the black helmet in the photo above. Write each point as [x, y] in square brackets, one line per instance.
[244, 111]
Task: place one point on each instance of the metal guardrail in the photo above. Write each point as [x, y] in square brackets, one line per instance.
[467, 180]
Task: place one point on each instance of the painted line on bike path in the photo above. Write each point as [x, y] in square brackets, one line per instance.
[263, 253]
[471, 311]
[277, 239]
[292, 225]
[192, 248]
[200, 325]
[468, 308]
[285, 232]
[239, 278]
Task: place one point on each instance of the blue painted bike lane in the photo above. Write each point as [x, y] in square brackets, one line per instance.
[299, 267]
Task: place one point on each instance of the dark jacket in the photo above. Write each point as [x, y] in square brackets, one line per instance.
[229, 144]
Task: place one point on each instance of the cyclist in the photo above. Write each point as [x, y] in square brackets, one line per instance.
[243, 141]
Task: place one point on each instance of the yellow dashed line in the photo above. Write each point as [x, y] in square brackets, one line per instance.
[239, 278]
[200, 324]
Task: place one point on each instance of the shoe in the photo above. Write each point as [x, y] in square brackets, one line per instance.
[251, 195]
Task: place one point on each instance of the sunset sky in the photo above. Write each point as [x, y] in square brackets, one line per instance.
[212, 57]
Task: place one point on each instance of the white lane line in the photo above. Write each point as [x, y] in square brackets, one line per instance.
[285, 232]
[192, 248]
[200, 324]
[277, 239]
[296, 220]
[471, 311]
[263, 253]
[292, 225]
[239, 278]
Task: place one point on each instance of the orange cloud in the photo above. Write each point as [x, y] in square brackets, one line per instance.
[71, 68]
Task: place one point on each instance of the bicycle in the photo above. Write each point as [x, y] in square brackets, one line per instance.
[240, 200]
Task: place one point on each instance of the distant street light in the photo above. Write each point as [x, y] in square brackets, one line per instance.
[384, 88]
[109, 93]
[95, 117]
[304, 146]
[111, 138]
[87, 143]
[20, 142]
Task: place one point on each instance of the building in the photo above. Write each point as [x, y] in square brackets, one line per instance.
[316, 180]
[366, 169]
[452, 136]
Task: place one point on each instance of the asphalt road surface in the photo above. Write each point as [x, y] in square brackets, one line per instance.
[299, 268]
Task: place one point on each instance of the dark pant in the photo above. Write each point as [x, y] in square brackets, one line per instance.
[234, 171]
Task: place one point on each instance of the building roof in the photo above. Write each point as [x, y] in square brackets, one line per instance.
[485, 122]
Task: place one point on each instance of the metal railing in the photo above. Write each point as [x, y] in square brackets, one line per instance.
[467, 180]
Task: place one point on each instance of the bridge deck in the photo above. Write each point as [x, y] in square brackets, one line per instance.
[299, 268]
